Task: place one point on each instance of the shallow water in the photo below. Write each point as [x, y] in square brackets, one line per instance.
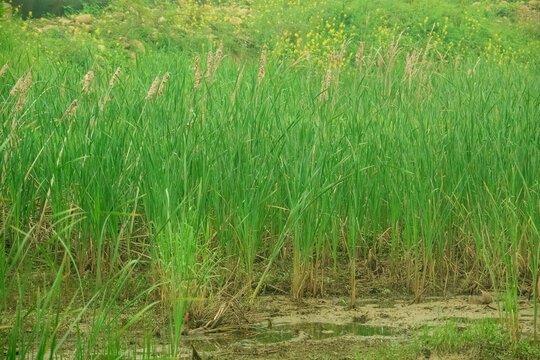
[320, 331]
[262, 335]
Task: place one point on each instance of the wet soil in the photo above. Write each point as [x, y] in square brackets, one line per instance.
[329, 329]
[278, 327]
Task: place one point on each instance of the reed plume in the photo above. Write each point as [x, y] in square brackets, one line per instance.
[163, 82]
[114, 77]
[113, 80]
[338, 58]
[380, 61]
[153, 89]
[359, 58]
[24, 85]
[87, 81]
[262, 65]
[411, 61]
[212, 62]
[209, 63]
[198, 74]
[28, 81]
[218, 56]
[16, 87]
[326, 84]
[472, 72]
[72, 108]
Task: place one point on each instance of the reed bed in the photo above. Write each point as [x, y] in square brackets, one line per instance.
[159, 190]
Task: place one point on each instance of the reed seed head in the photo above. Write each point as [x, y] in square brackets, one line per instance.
[20, 89]
[198, 73]
[114, 77]
[262, 64]
[22, 85]
[153, 89]
[87, 81]
[209, 63]
[16, 87]
[27, 82]
[218, 56]
[341, 54]
[163, 82]
[326, 84]
[72, 108]
[359, 55]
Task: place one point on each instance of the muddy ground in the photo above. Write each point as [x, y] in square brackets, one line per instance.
[278, 327]
[329, 329]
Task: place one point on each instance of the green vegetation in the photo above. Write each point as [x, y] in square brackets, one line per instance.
[154, 154]
[477, 340]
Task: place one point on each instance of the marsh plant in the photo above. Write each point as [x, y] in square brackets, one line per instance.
[151, 185]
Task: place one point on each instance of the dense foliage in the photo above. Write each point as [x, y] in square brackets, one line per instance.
[153, 152]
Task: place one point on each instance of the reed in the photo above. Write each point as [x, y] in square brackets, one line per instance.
[87, 81]
[397, 166]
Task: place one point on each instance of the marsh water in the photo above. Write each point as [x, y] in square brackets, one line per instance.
[280, 328]
[263, 334]
[262, 340]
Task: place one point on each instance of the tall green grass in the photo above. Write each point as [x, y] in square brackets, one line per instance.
[430, 170]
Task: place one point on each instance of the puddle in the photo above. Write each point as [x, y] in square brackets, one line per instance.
[320, 331]
[263, 335]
